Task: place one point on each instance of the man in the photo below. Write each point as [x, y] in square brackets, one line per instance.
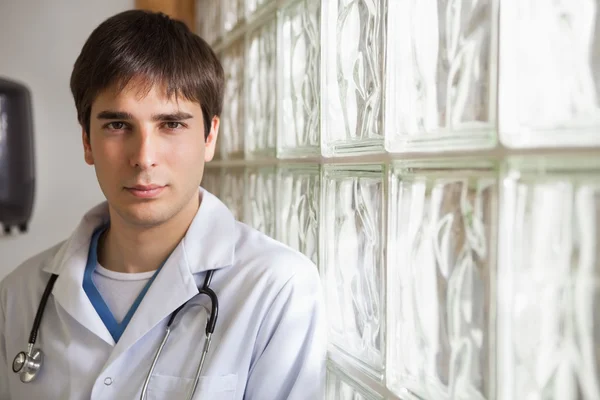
[148, 94]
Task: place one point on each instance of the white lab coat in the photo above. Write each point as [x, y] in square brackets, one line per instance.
[269, 342]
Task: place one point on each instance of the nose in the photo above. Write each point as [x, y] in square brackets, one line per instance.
[143, 149]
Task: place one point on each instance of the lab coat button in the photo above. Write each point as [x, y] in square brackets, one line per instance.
[108, 381]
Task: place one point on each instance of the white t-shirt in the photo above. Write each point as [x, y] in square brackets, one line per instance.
[119, 289]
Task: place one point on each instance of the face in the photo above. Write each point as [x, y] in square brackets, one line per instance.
[149, 153]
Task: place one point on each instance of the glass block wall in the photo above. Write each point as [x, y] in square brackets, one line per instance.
[439, 162]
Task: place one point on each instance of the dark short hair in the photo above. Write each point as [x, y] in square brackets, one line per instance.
[154, 47]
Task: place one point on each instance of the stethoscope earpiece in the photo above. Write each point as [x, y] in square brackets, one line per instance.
[28, 364]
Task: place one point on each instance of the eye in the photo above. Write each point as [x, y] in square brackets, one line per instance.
[116, 126]
[173, 125]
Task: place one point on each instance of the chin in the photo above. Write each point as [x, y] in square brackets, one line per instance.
[144, 214]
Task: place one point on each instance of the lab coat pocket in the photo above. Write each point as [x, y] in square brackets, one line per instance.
[163, 387]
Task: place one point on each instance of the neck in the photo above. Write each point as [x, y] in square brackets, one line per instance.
[129, 248]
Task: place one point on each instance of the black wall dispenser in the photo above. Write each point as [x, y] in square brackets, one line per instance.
[17, 168]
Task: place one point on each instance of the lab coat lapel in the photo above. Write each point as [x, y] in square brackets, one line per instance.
[173, 286]
[69, 263]
[69, 294]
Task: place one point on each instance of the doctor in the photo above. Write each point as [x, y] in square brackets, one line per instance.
[148, 95]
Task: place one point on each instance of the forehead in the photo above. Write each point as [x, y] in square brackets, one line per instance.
[141, 91]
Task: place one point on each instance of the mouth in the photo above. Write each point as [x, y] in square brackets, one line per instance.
[145, 191]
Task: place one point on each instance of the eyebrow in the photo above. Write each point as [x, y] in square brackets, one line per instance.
[178, 116]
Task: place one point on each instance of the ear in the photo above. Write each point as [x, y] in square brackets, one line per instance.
[87, 147]
[211, 140]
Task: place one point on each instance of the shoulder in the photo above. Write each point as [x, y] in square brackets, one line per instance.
[28, 275]
[270, 263]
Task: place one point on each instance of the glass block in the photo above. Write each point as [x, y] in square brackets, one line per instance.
[442, 220]
[253, 5]
[232, 13]
[550, 73]
[352, 55]
[211, 180]
[209, 24]
[352, 262]
[231, 132]
[261, 91]
[260, 199]
[299, 131]
[548, 279]
[298, 204]
[441, 75]
[341, 386]
[233, 190]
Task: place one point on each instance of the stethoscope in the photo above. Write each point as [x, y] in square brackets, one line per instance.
[27, 364]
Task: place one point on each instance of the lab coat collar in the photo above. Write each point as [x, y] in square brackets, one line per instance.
[210, 240]
[208, 244]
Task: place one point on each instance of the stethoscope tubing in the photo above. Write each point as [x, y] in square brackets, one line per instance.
[40, 311]
[210, 327]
